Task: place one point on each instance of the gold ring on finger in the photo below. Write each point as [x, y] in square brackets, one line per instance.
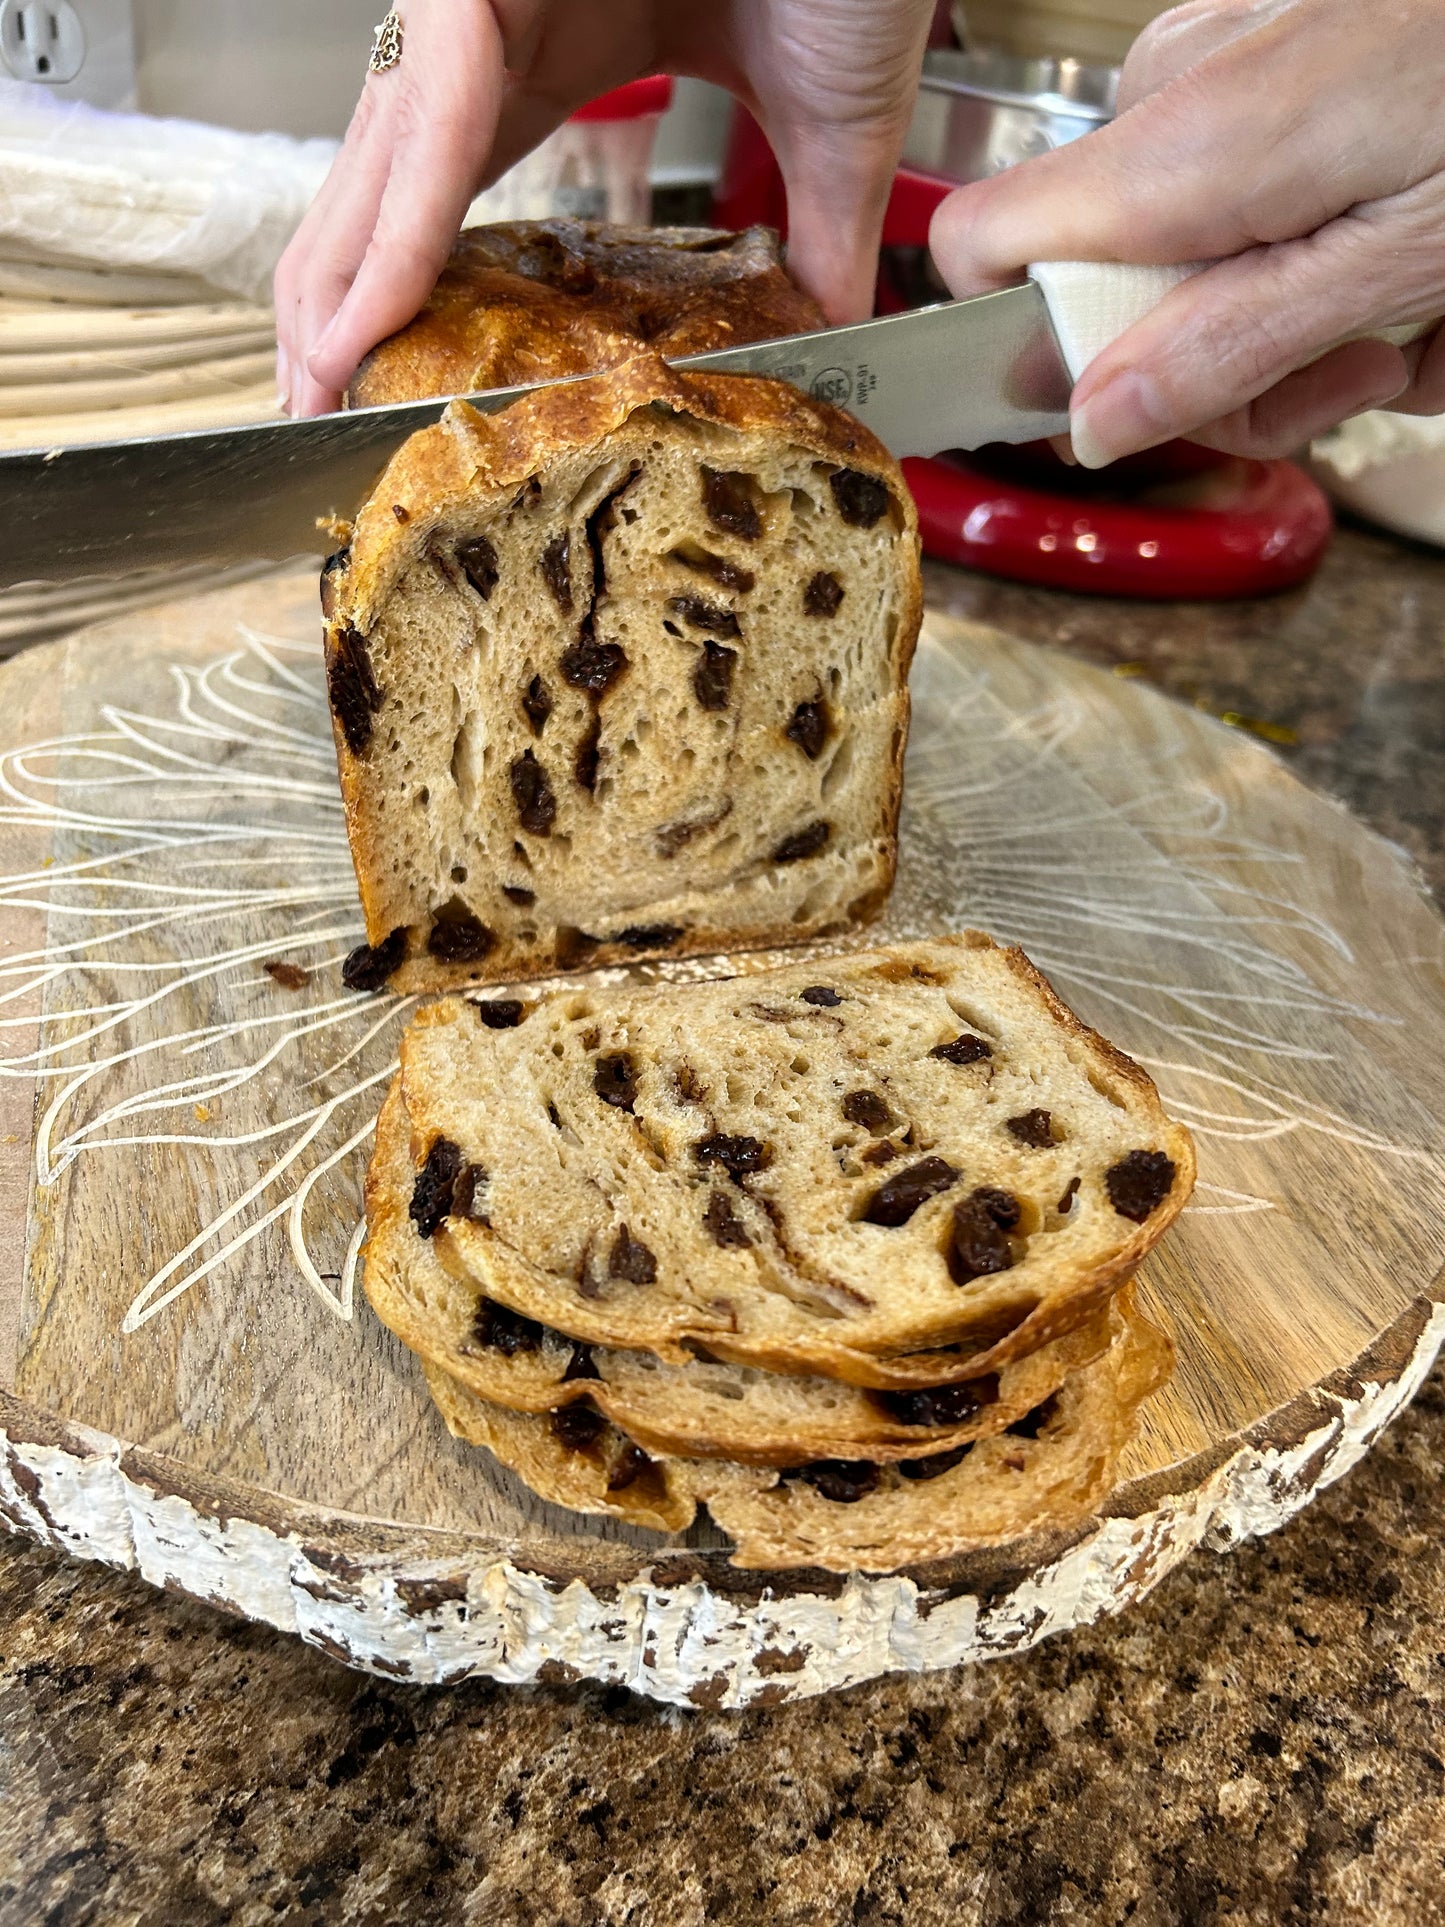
[386, 47]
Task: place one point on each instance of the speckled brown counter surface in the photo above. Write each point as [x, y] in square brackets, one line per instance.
[1263, 1740]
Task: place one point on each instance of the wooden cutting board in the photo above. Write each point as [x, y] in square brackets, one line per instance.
[193, 1384]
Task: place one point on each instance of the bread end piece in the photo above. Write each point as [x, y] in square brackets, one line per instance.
[530, 301]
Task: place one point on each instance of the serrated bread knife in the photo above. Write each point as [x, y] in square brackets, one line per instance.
[998, 368]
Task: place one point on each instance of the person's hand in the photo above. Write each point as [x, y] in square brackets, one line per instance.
[480, 82]
[1296, 144]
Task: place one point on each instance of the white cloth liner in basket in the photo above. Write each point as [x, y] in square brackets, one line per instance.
[88, 189]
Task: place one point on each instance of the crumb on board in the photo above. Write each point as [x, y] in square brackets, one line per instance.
[290, 976]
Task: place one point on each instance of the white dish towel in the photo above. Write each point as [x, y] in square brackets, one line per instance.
[1092, 303]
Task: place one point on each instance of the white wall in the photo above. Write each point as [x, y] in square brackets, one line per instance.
[296, 67]
[285, 66]
[692, 136]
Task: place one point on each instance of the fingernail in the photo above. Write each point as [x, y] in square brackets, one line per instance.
[1125, 415]
[1382, 400]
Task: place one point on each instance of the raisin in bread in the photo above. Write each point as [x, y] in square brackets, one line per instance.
[621, 670]
[1047, 1474]
[829, 1167]
[534, 300]
[704, 1409]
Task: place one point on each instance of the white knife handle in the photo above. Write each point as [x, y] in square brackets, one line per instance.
[1092, 303]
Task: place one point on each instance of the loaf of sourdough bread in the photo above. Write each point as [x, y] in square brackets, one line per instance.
[532, 301]
[621, 671]
[706, 1408]
[1047, 1472]
[901, 1168]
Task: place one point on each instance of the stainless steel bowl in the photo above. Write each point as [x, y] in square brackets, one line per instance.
[981, 112]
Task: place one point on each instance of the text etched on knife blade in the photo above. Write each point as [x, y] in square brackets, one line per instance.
[844, 388]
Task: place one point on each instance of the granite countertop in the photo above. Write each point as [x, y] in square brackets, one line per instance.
[1262, 1740]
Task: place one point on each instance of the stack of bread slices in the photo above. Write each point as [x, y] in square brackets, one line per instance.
[840, 1249]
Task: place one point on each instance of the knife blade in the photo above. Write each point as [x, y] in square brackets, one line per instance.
[955, 375]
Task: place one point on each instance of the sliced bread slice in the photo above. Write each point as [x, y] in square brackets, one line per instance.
[575, 1458]
[706, 1408]
[621, 671]
[1046, 1474]
[824, 1168]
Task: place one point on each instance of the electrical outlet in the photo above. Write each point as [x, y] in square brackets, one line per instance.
[42, 40]
[74, 49]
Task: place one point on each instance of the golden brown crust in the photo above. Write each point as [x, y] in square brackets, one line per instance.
[439, 469]
[536, 300]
